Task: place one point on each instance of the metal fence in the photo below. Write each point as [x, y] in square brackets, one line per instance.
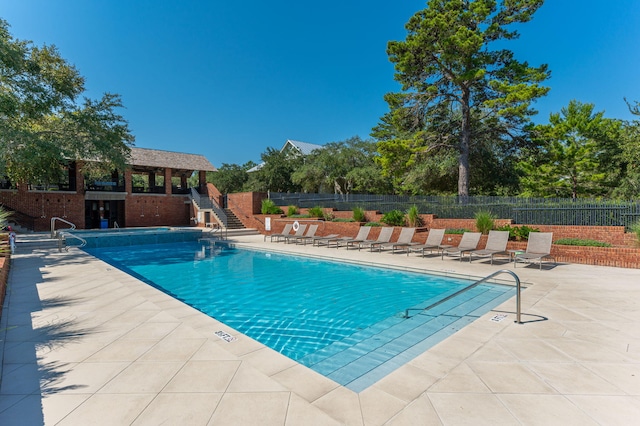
[542, 211]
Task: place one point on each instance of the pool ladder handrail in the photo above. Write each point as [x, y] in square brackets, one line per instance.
[62, 242]
[53, 225]
[469, 287]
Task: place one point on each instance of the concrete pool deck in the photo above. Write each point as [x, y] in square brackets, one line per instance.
[84, 343]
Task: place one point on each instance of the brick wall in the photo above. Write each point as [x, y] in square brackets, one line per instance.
[247, 206]
[213, 192]
[140, 209]
[157, 210]
[44, 205]
[625, 253]
[623, 257]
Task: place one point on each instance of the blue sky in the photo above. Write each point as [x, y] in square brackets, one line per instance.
[229, 79]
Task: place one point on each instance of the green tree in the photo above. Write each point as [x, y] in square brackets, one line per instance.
[578, 155]
[230, 177]
[446, 68]
[629, 163]
[43, 125]
[342, 167]
[275, 173]
[418, 168]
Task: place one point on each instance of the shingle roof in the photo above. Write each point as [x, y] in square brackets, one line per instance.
[169, 159]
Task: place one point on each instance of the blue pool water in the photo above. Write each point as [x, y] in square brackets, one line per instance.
[342, 320]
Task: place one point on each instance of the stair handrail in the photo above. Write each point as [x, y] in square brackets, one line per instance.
[62, 237]
[211, 204]
[469, 287]
[53, 225]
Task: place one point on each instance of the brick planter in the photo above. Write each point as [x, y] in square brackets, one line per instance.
[622, 257]
[5, 263]
[625, 252]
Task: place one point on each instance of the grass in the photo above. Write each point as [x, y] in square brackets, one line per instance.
[359, 214]
[635, 228]
[456, 231]
[485, 221]
[581, 242]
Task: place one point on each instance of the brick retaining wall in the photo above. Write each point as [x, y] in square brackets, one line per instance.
[5, 263]
[625, 253]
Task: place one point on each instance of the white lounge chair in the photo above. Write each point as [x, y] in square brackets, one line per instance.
[298, 233]
[496, 244]
[404, 240]
[538, 248]
[311, 232]
[363, 233]
[433, 242]
[383, 237]
[285, 233]
[468, 243]
[325, 239]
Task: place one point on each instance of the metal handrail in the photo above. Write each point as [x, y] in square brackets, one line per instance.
[53, 225]
[502, 271]
[209, 203]
[62, 237]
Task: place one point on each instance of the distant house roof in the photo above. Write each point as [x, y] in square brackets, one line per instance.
[303, 148]
[145, 157]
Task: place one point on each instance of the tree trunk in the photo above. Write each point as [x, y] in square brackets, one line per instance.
[465, 140]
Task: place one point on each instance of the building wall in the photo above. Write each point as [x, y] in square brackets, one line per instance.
[139, 209]
[43, 205]
[157, 210]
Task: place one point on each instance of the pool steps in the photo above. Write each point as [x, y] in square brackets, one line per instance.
[358, 366]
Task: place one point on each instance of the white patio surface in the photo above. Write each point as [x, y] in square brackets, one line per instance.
[84, 343]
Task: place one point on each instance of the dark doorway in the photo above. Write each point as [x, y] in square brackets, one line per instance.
[104, 214]
[92, 214]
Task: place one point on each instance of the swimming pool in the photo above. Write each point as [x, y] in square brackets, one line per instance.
[345, 321]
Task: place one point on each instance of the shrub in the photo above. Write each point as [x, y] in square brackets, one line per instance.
[522, 233]
[485, 221]
[316, 212]
[328, 216]
[513, 230]
[580, 242]
[393, 218]
[635, 228]
[4, 218]
[518, 232]
[359, 215]
[413, 217]
[292, 210]
[373, 224]
[269, 207]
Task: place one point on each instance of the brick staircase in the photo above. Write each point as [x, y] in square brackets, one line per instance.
[232, 220]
